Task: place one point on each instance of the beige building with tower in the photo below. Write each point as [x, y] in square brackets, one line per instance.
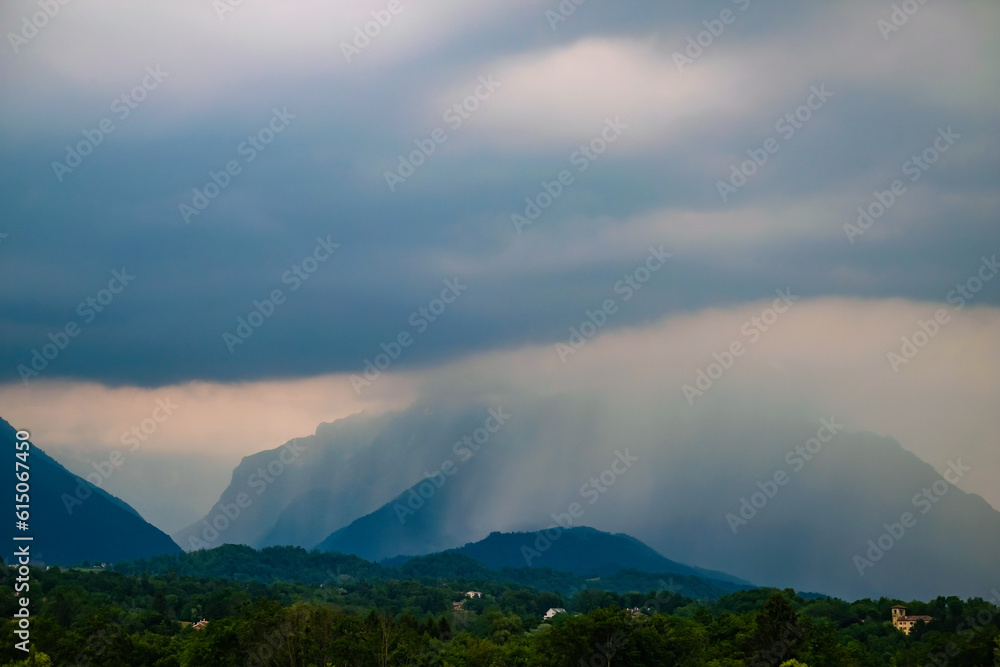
[901, 621]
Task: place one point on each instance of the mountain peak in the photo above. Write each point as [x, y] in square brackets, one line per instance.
[72, 520]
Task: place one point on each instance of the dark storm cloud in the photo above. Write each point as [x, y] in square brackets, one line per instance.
[323, 177]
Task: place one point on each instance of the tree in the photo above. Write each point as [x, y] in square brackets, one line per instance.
[546, 601]
[502, 627]
[383, 636]
[598, 636]
[160, 604]
[34, 659]
[776, 628]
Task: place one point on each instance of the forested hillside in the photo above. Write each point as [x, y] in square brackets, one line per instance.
[98, 617]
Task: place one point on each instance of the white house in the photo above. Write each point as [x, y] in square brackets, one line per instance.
[552, 612]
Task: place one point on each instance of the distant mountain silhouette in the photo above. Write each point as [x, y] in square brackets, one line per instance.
[581, 550]
[72, 520]
[702, 492]
[397, 530]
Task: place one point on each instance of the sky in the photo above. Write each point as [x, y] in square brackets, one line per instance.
[239, 208]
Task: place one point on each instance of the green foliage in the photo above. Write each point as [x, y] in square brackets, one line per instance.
[359, 615]
[242, 563]
[777, 630]
[34, 659]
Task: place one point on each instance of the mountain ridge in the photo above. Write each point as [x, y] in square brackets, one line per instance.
[72, 520]
[402, 484]
[575, 549]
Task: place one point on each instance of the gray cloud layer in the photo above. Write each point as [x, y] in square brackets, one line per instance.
[323, 174]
